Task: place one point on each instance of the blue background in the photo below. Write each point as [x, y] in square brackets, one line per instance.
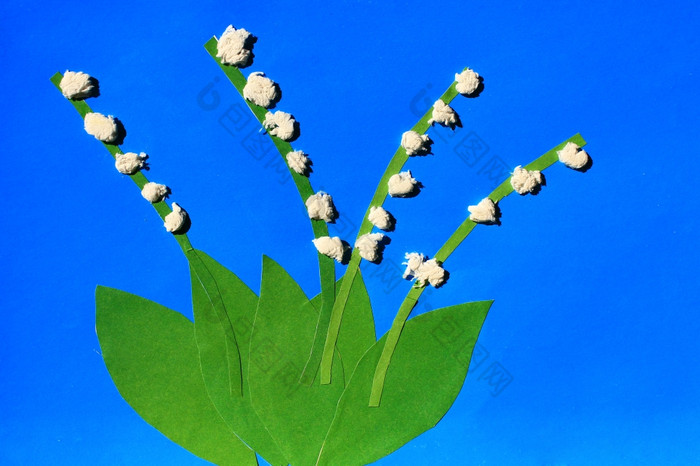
[596, 283]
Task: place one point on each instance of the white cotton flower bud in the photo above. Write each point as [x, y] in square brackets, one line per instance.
[154, 192]
[261, 90]
[415, 143]
[175, 220]
[444, 115]
[483, 212]
[235, 47]
[525, 181]
[281, 124]
[320, 207]
[130, 163]
[403, 185]
[431, 272]
[467, 81]
[413, 262]
[77, 85]
[424, 270]
[104, 128]
[573, 156]
[369, 246]
[381, 219]
[299, 162]
[331, 247]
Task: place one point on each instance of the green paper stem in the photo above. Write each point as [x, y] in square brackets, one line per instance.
[139, 178]
[206, 279]
[325, 263]
[395, 165]
[459, 235]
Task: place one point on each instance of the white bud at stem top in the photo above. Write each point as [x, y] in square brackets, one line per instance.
[467, 81]
[77, 85]
[573, 156]
[235, 47]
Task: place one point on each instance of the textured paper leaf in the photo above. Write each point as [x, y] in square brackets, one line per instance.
[357, 334]
[426, 374]
[297, 415]
[151, 354]
[234, 406]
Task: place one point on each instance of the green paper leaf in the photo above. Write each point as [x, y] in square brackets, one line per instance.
[151, 355]
[426, 374]
[296, 415]
[357, 334]
[240, 303]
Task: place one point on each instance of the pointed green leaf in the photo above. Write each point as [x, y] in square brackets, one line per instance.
[296, 415]
[240, 303]
[426, 373]
[357, 333]
[151, 354]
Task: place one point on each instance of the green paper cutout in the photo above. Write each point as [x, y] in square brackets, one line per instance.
[459, 235]
[357, 334]
[303, 185]
[151, 355]
[395, 165]
[296, 415]
[139, 178]
[426, 375]
[212, 324]
[240, 303]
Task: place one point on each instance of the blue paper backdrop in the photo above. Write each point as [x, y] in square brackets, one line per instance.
[590, 352]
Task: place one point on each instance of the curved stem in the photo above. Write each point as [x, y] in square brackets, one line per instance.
[206, 279]
[303, 185]
[139, 178]
[459, 235]
[395, 165]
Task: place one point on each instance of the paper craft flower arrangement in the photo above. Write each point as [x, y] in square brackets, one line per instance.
[296, 380]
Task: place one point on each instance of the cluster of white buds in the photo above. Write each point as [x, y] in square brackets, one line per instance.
[424, 271]
[79, 86]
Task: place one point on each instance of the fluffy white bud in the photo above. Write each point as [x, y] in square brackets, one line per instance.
[525, 181]
[467, 81]
[261, 90]
[403, 185]
[104, 128]
[281, 124]
[320, 207]
[444, 115]
[154, 192]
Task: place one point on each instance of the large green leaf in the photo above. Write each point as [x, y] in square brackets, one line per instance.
[357, 333]
[297, 415]
[240, 303]
[426, 373]
[151, 354]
